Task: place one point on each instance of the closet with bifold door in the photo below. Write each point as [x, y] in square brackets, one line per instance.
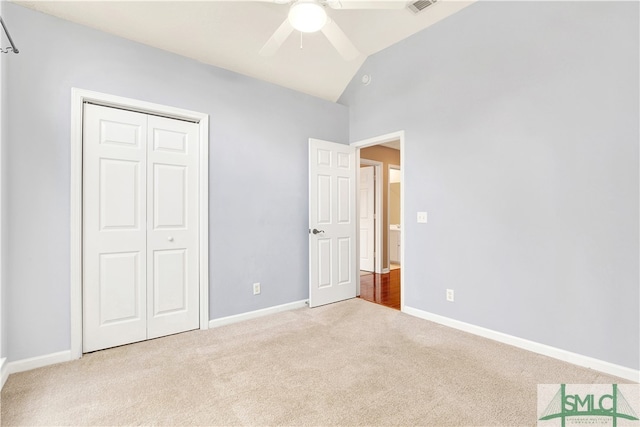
[140, 226]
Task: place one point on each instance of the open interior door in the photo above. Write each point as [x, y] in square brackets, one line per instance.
[367, 219]
[332, 222]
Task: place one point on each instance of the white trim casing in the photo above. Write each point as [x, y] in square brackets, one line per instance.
[388, 225]
[257, 313]
[4, 372]
[378, 211]
[204, 220]
[357, 205]
[543, 349]
[78, 98]
[2, 143]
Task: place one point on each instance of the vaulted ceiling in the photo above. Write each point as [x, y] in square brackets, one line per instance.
[230, 34]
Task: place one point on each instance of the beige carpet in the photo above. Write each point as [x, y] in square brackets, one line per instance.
[350, 363]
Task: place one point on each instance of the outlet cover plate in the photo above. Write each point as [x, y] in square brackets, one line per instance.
[450, 295]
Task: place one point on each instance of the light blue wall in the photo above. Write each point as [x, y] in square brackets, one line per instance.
[258, 170]
[521, 123]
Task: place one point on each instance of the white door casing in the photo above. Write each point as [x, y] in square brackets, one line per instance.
[378, 208]
[367, 218]
[332, 222]
[140, 227]
[394, 242]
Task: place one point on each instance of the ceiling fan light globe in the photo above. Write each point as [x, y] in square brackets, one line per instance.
[307, 17]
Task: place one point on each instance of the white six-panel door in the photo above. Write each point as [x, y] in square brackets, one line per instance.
[367, 218]
[332, 222]
[140, 225]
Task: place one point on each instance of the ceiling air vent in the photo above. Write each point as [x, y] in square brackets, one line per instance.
[420, 5]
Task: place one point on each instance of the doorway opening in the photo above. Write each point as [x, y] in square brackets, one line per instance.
[381, 285]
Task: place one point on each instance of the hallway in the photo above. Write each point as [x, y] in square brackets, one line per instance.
[383, 289]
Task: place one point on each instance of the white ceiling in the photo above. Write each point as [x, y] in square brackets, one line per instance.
[229, 34]
[392, 144]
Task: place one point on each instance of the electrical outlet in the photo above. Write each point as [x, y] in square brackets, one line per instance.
[422, 217]
[256, 288]
[450, 295]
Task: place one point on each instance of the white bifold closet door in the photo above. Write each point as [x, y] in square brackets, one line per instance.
[140, 227]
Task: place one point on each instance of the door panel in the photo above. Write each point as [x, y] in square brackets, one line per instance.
[168, 140]
[332, 262]
[115, 132]
[119, 194]
[114, 272]
[324, 199]
[325, 260]
[344, 200]
[344, 261]
[170, 290]
[120, 287]
[170, 196]
[344, 160]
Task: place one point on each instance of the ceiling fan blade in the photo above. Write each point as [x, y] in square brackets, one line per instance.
[339, 40]
[275, 41]
[367, 4]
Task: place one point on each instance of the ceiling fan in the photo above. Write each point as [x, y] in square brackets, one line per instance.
[309, 16]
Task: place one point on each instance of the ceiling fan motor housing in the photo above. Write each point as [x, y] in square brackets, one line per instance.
[307, 16]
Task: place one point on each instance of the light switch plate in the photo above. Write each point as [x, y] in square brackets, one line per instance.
[422, 217]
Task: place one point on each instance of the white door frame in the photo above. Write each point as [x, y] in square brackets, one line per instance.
[78, 98]
[376, 140]
[388, 224]
[377, 222]
[3, 375]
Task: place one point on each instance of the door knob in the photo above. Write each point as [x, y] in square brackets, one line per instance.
[170, 239]
[316, 231]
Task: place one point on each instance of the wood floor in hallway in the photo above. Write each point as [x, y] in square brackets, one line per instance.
[383, 289]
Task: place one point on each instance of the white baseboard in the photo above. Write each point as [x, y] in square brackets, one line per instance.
[4, 372]
[257, 313]
[38, 362]
[545, 350]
